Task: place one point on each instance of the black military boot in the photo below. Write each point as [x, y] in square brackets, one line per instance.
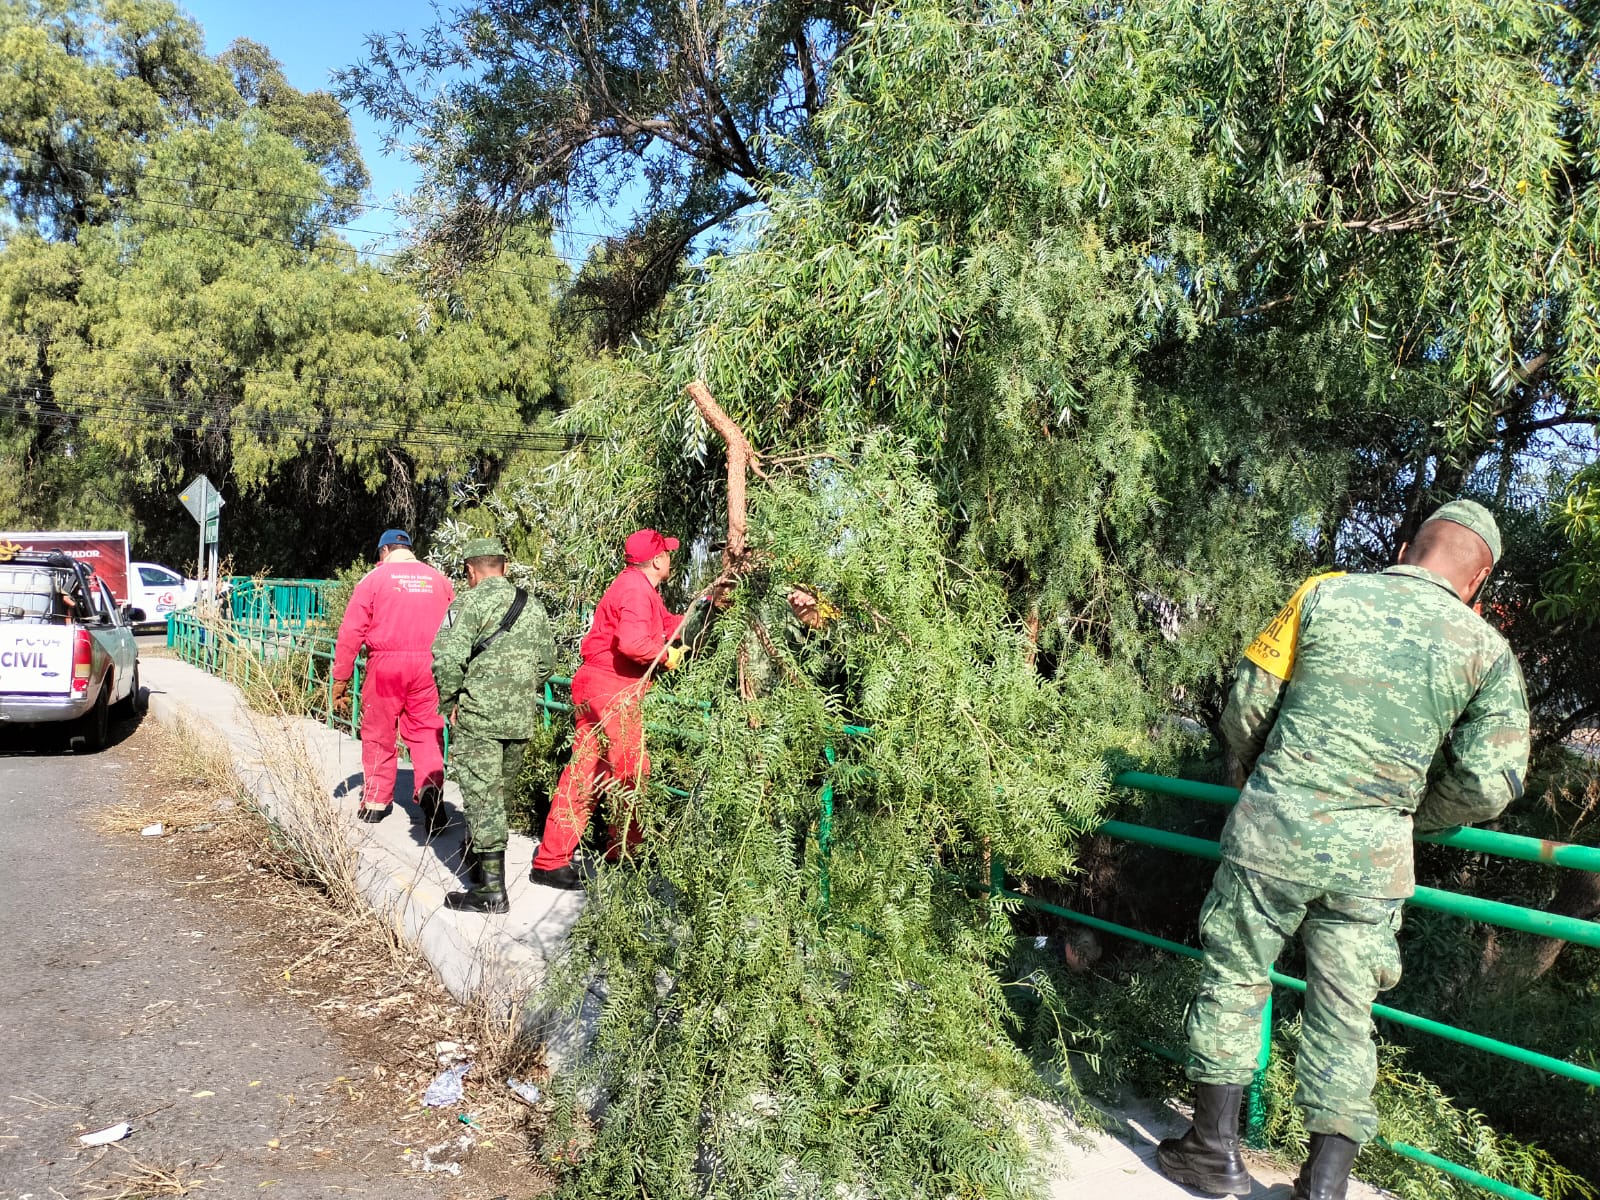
[1327, 1169]
[435, 816]
[488, 894]
[1207, 1157]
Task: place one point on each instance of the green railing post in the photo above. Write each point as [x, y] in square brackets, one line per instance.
[355, 699]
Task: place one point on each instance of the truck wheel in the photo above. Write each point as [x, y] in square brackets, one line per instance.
[96, 729]
[134, 705]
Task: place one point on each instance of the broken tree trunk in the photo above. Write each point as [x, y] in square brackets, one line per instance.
[740, 459]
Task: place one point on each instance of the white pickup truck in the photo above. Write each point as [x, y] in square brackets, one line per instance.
[67, 652]
[159, 591]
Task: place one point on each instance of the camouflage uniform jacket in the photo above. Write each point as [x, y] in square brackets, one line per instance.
[1396, 699]
[497, 692]
[795, 645]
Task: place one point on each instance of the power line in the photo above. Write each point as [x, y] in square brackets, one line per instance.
[142, 412]
[149, 409]
[306, 382]
[320, 246]
[197, 435]
[119, 206]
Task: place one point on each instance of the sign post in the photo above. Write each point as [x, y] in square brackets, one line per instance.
[205, 503]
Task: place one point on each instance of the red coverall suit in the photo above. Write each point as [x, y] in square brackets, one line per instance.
[395, 611]
[631, 625]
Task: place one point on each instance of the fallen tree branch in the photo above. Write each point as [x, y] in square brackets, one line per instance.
[740, 458]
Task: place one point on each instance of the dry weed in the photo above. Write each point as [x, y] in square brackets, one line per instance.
[146, 1181]
[304, 830]
[291, 854]
[202, 790]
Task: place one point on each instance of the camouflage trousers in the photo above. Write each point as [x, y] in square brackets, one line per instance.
[1351, 956]
[486, 769]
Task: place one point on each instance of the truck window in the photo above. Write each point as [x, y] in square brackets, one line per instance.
[105, 608]
[155, 577]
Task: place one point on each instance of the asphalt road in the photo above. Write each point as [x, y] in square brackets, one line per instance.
[120, 1002]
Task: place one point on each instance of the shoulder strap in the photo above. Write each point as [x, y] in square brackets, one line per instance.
[518, 603]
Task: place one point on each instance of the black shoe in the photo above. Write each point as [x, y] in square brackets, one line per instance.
[566, 877]
[1207, 1157]
[435, 816]
[372, 815]
[488, 895]
[1326, 1173]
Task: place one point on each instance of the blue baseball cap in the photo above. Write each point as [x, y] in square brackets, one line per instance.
[394, 537]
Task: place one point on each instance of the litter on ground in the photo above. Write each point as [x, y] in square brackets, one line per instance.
[446, 1088]
[104, 1137]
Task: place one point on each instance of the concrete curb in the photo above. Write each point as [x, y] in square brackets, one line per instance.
[403, 877]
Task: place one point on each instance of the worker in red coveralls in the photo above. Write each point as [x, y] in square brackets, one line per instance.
[395, 612]
[632, 630]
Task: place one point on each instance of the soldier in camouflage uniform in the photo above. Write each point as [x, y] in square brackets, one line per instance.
[798, 631]
[491, 657]
[1372, 705]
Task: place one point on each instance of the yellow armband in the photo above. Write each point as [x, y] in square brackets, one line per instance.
[1273, 648]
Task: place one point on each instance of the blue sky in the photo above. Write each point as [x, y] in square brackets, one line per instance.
[312, 40]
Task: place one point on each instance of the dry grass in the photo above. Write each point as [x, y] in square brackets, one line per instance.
[200, 789]
[146, 1181]
[291, 873]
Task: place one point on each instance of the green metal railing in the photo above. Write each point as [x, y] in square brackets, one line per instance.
[248, 653]
[263, 641]
[278, 603]
[1508, 916]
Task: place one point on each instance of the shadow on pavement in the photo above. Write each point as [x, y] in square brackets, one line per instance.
[61, 737]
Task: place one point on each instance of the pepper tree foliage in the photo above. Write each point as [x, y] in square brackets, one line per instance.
[176, 295]
[1087, 334]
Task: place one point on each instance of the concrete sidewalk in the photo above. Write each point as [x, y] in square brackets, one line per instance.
[505, 957]
[402, 875]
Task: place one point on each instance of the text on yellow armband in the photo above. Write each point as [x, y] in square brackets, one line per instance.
[1273, 648]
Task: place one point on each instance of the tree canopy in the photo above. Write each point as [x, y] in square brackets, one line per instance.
[1087, 335]
[546, 107]
[178, 295]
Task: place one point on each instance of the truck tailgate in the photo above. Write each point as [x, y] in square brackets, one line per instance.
[35, 660]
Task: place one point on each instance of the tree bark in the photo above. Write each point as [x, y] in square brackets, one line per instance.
[740, 458]
[1578, 896]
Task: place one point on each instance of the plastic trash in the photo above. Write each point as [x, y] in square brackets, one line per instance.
[105, 1137]
[529, 1093]
[446, 1088]
[155, 830]
[446, 1158]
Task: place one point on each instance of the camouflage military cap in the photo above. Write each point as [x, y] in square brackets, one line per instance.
[484, 547]
[1473, 516]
